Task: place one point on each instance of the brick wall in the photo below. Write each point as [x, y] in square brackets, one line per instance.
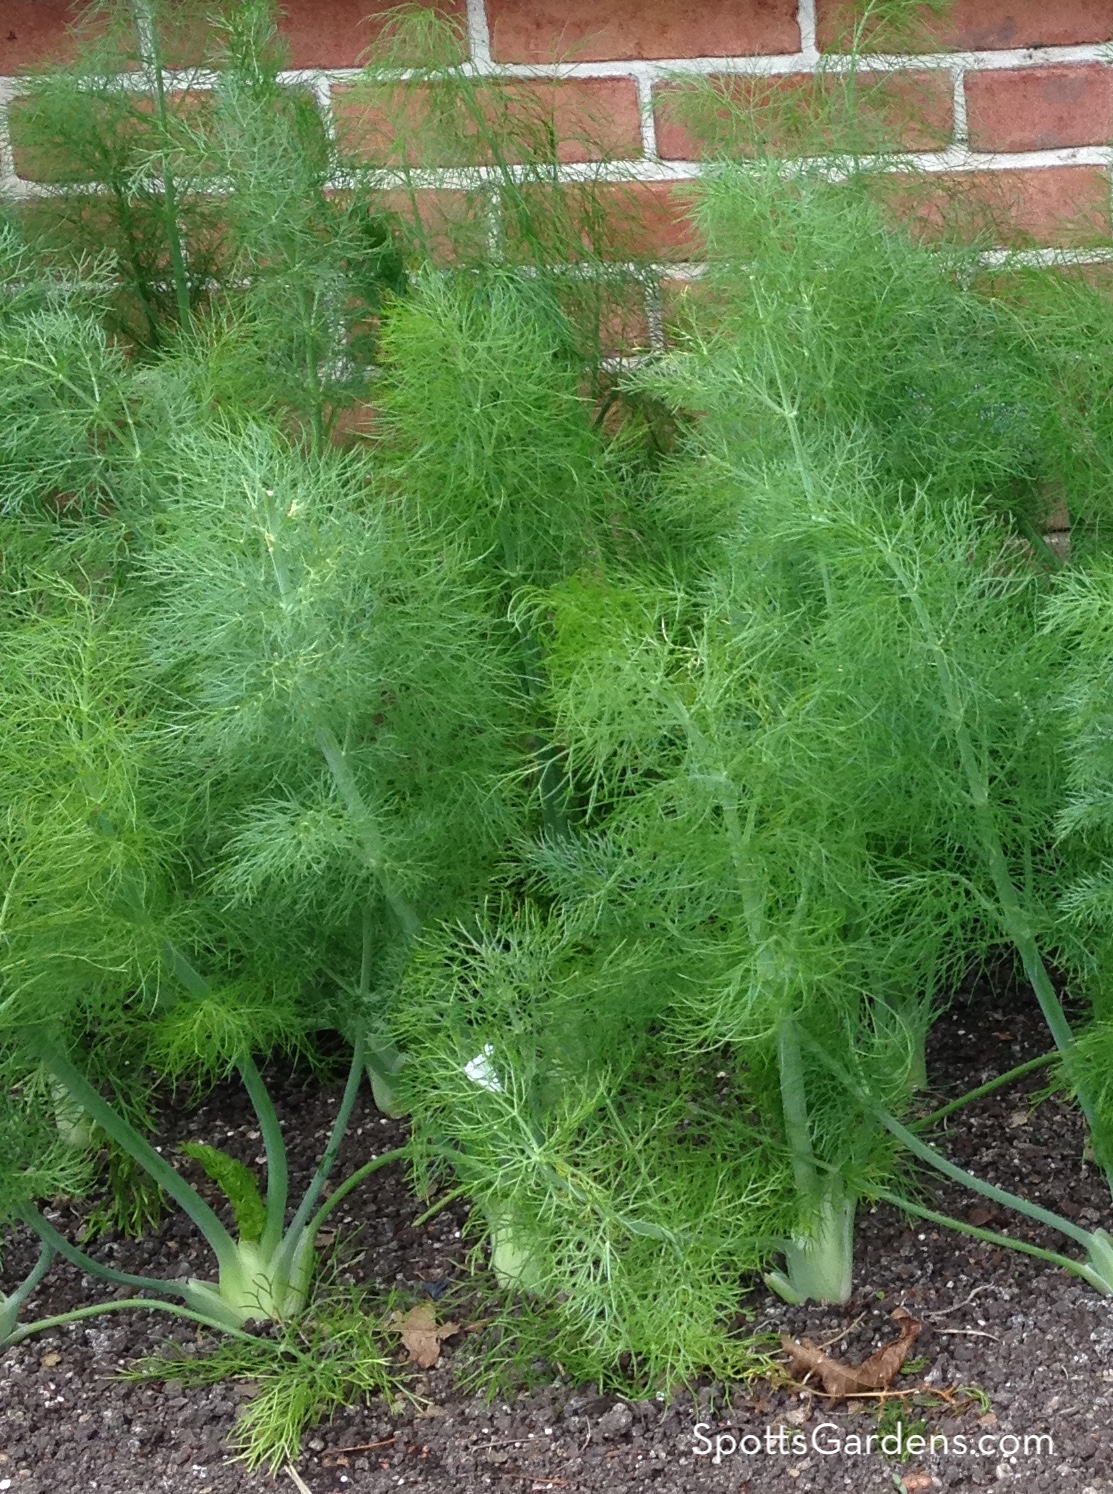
[1016, 95]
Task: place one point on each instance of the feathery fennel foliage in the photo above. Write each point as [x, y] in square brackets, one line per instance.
[326, 703]
[87, 125]
[942, 661]
[1080, 611]
[333, 671]
[261, 664]
[630, 808]
[812, 765]
[877, 336]
[608, 1178]
[419, 103]
[63, 391]
[303, 1375]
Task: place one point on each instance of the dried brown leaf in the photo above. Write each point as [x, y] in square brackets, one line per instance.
[875, 1373]
[421, 1334]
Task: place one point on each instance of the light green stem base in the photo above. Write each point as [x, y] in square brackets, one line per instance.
[515, 1256]
[819, 1265]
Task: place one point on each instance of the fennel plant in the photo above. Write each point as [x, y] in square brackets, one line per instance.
[283, 686]
[940, 601]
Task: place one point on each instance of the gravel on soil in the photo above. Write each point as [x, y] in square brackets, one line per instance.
[1026, 1351]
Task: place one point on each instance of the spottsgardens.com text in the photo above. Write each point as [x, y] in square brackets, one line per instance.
[831, 1441]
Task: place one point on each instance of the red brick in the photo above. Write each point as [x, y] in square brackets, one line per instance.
[116, 132]
[351, 425]
[655, 219]
[337, 33]
[1040, 107]
[1029, 23]
[34, 31]
[803, 114]
[610, 320]
[585, 30]
[451, 225]
[589, 119]
[978, 24]
[1051, 206]
[617, 221]
[37, 32]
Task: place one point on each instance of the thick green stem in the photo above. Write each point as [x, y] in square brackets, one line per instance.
[121, 190]
[61, 1246]
[794, 1103]
[61, 1320]
[293, 1239]
[367, 831]
[984, 1089]
[275, 1148]
[34, 1276]
[819, 1262]
[148, 48]
[126, 1136]
[11, 1305]
[397, 1155]
[1040, 546]
[753, 905]
[988, 1236]
[384, 1061]
[366, 950]
[1013, 916]
[313, 375]
[183, 971]
[794, 1106]
[551, 778]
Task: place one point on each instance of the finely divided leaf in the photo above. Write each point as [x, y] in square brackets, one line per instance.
[236, 1182]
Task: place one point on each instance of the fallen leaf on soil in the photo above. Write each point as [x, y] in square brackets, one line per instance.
[875, 1373]
[981, 1215]
[422, 1334]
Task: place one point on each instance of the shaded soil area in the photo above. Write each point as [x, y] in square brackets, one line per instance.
[1014, 1365]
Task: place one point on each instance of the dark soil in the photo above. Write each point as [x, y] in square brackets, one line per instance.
[1021, 1349]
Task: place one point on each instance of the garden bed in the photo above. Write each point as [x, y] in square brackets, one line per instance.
[614, 768]
[1033, 1347]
